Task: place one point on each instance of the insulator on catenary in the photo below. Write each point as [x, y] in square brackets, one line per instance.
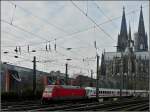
[49, 47]
[46, 47]
[87, 9]
[83, 59]
[95, 44]
[28, 49]
[20, 49]
[55, 45]
[16, 50]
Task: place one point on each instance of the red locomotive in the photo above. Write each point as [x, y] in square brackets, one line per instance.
[63, 92]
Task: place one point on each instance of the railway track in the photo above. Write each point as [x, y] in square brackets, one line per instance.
[124, 104]
[19, 102]
[125, 107]
[130, 104]
[141, 107]
[30, 105]
[66, 106]
[8, 105]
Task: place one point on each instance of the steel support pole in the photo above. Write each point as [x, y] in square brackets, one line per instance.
[121, 75]
[91, 78]
[97, 79]
[34, 75]
[66, 78]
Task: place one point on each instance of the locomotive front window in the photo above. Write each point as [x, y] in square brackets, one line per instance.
[48, 90]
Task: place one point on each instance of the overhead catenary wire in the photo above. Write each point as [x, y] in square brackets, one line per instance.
[42, 19]
[83, 30]
[104, 14]
[54, 63]
[24, 53]
[11, 35]
[65, 55]
[101, 29]
[16, 26]
[55, 45]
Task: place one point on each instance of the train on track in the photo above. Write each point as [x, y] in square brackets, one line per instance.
[67, 92]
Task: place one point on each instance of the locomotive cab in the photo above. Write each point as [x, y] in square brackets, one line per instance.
[47, 93]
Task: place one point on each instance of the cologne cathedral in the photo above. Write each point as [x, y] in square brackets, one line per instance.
[129, 65]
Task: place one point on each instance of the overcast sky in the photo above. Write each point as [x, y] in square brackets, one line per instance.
[34, 23]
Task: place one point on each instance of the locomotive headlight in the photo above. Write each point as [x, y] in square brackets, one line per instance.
[49, 94]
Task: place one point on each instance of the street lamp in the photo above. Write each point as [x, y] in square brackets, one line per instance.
[5, 52]
[16, 56]
[69, 48]
[68, 59]
[33, 50]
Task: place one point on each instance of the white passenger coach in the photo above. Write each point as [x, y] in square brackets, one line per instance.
[103, 92]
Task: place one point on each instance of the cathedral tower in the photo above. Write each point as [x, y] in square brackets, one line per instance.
[140, 38]
[123, 36]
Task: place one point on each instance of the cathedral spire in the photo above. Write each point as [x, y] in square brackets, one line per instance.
[141, 28]
[123, 23]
